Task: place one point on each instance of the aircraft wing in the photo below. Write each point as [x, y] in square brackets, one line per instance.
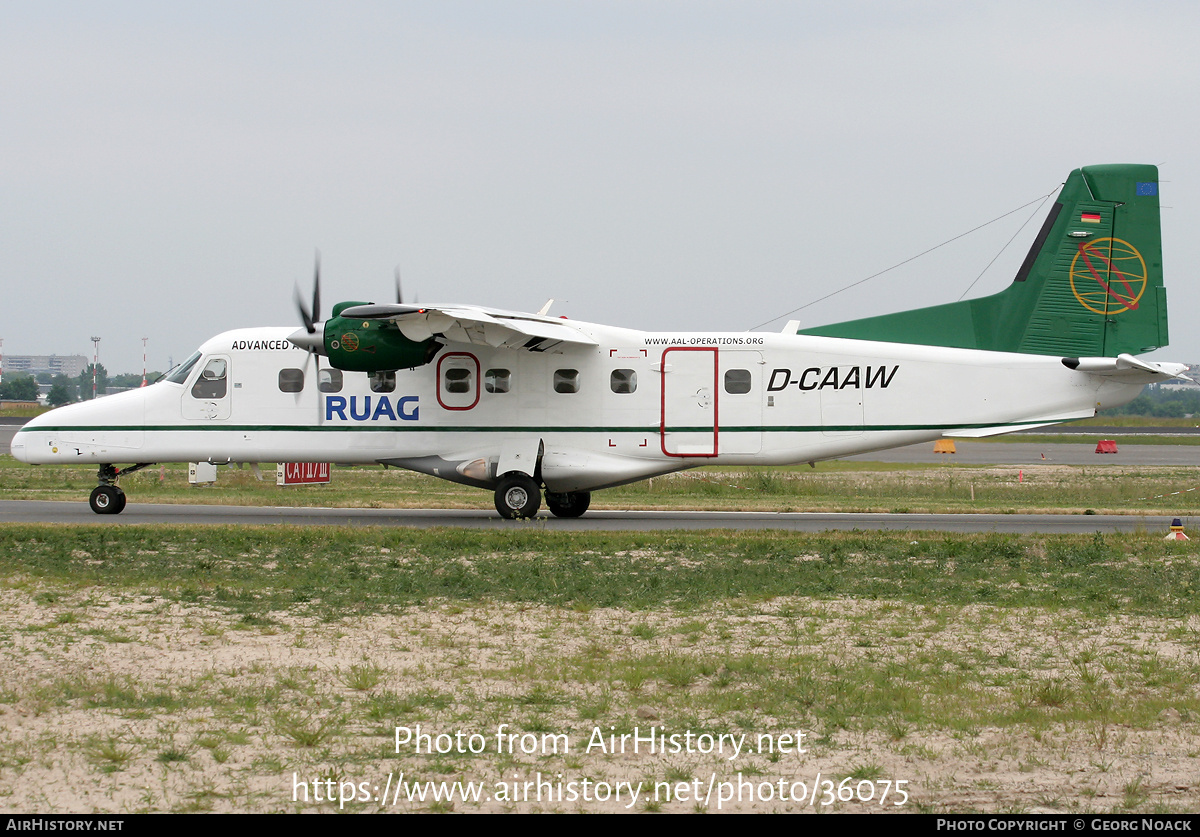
[478, 326]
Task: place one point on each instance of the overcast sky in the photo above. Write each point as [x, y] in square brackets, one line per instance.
[167, 169]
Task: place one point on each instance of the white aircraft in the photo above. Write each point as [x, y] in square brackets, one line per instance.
[517, 403]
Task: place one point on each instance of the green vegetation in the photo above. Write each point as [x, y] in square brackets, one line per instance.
[330, 572]
[831, 486]
[19, 388]
[1158, 402]
[951, 662]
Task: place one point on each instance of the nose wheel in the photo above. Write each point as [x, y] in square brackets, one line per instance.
[107, 499]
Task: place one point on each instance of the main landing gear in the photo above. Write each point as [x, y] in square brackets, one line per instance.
[518, 496]
[107, 497]
[570, 504]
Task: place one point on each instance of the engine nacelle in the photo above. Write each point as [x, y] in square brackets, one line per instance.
[355, 345]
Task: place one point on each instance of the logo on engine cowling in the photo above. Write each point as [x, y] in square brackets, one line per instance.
[372, 408]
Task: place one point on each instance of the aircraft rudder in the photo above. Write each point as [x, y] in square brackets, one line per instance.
[1096, 285]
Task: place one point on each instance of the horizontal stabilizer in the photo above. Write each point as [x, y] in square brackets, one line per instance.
[1127, 368]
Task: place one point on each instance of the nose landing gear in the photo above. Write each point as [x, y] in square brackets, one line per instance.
[107, 497]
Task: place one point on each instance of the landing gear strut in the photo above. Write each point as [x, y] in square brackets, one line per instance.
[571, 504]
[518, 496]
[107, 497]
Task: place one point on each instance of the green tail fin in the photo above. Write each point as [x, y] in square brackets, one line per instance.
[1091, 285]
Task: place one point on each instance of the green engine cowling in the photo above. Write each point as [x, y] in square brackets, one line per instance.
[372, 345]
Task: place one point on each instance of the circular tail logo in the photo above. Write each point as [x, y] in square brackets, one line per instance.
[1108, 276]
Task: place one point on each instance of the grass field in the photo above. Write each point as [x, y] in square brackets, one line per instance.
[228, 668]
[198, 668]
[831, 486]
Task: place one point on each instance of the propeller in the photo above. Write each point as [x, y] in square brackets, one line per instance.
[312, 338]
[400, 293]
[311, 318]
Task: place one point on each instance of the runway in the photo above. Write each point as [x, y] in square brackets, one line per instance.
[34, 511]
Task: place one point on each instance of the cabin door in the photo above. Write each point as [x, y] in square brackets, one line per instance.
[689, 422]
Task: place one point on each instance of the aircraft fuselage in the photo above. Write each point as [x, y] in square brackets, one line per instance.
[578, 418]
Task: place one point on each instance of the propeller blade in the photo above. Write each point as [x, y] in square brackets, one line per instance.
[305, 315]
[320, 414]
[316, 308]
[311, 316]
[399, 293]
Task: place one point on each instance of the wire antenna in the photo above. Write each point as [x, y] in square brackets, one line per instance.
[1038, 200]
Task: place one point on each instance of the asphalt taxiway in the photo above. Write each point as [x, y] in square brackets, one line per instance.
[36, 511]
[1010, 454]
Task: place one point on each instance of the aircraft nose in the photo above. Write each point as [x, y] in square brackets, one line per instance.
[314, 342]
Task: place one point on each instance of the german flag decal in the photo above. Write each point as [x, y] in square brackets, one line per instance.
[1090, 217]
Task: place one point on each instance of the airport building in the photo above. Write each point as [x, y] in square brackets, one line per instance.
[70, 365]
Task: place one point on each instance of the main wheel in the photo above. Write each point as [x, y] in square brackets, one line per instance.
[107, 499]
[518, 496]
[571, 504]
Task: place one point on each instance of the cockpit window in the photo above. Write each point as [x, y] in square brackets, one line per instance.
[179, 374]
[212, 380]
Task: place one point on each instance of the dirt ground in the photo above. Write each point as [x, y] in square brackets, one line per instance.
[139, 704]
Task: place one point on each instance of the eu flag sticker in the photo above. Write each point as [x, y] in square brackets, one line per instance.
[1147, 188]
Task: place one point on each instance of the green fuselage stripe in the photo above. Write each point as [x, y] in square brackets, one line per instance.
[392, 428]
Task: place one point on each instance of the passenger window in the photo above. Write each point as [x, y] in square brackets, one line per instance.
[737, 381]
[458, 379]
[566, 380]
[212, 381]
[497, 380]
[383, 382]
[623, 380]
[291, 380]
[329, 380]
